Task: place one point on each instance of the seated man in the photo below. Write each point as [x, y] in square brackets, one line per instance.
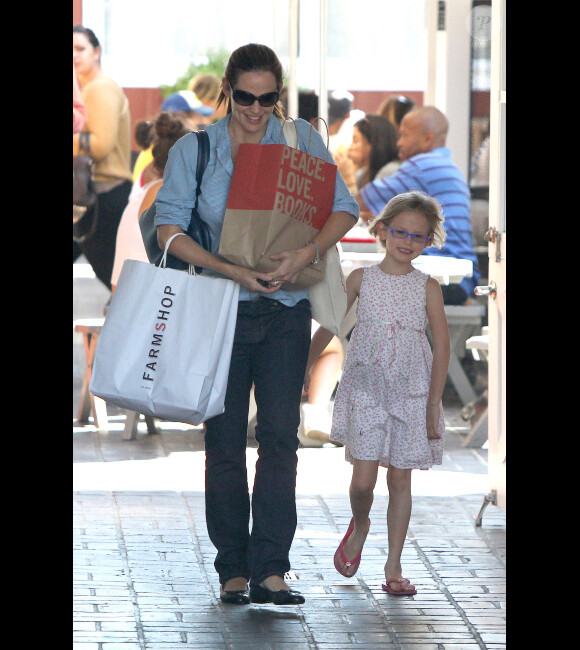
[427, 166]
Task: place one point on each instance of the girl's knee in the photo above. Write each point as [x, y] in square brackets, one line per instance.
[364, 477]
[362, 486]
[398, 480]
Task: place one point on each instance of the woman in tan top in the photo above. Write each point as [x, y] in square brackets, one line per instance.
[109, 126]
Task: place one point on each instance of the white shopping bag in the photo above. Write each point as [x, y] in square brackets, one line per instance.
[328, 298]
[166, 343]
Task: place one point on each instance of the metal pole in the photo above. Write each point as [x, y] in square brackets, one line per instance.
[293, 10]
[322, 92]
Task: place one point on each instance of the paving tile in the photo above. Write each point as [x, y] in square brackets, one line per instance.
[143, 564]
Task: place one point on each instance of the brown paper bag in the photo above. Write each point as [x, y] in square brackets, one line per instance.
[280, 197]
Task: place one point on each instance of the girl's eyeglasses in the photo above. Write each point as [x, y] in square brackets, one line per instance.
[266, 100]
[401, 233]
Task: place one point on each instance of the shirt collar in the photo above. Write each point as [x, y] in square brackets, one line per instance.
[224, 148]
[441, 151]
[273, 131]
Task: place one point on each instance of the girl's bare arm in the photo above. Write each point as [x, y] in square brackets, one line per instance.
[441, 353]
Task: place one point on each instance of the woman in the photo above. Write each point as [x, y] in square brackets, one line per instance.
[373, 150]
[372, 154]
[109, 126]
[272, 337]
[167, 130]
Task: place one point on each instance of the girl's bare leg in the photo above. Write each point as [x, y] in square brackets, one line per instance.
[362, 485]
[398, 517]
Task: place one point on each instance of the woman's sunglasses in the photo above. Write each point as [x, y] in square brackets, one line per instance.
[244, 98]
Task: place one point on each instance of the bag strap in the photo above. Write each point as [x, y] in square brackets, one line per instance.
[163, 261]
[202, 159]
[290, 133]
[327, 136]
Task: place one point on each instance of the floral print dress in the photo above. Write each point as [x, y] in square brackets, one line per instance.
[381, 401]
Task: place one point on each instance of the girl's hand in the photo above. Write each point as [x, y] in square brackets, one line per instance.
[433, 412]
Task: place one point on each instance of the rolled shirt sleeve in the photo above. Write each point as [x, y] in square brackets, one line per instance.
[176, 197]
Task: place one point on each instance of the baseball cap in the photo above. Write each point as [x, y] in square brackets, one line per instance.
[185, 100]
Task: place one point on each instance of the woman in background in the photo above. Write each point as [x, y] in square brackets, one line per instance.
[109, 127]
[372, 154]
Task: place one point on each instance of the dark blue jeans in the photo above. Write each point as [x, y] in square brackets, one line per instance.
[270, 351]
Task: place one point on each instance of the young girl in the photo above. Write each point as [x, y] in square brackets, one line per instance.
[387, 409]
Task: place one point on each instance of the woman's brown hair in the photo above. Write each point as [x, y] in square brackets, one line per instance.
[252, 58]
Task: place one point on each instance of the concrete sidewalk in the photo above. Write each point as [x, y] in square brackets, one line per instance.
[143, 563]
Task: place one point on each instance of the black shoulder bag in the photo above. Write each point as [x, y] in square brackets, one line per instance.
[198, 229]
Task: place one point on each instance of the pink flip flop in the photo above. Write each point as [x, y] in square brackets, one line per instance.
[401, 592]
[339, 554]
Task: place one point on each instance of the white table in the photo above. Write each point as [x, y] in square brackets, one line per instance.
[446, 270]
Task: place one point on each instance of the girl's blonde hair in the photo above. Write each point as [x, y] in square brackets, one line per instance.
[418, 202]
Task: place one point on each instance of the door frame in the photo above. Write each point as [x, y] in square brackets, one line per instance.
[497, 265]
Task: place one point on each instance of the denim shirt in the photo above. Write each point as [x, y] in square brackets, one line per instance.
[176, 197]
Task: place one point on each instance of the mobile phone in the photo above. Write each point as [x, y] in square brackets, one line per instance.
[264, 283]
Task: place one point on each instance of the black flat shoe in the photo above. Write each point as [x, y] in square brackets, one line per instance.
[240, 597]
[259, 594]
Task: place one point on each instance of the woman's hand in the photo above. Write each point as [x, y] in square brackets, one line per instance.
[186, 249]
[346, 168]
[296, 260]
[291, 263]
[251, 279]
